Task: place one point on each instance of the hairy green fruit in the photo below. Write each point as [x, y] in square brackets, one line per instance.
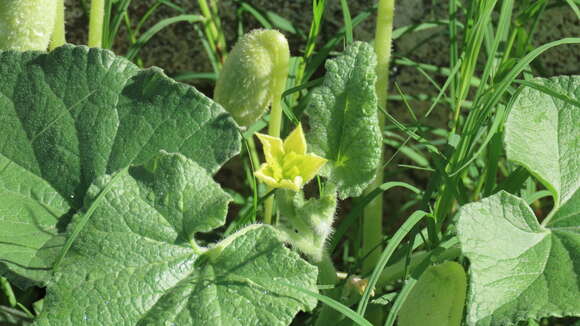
[26, 24]
[438, 297]
[254, 73]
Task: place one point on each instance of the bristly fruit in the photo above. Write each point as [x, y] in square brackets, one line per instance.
[26, 24]
[254, 73]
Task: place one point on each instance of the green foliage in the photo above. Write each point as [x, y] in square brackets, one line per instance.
[438, 297]
[543, 135]
[138, 262]
[520, 269]
[344, 122]
[88, 136]
[72, 115]
[26, 24]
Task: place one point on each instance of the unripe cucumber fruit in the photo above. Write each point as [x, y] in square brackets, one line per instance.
[254, 72]
[437, 299]
[26, 24]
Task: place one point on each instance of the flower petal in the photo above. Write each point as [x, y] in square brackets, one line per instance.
[273, 148]
[296, 141]
[287, 184]
[309, 165]
[263, 175]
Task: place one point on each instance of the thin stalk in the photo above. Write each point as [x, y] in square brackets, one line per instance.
[212, 28]
[318, 8]
[327, 276]
[373, 213]
[96, 23]
[58, 34]
[279, 79]
[274, 127]
[397, 271]
[221, 38]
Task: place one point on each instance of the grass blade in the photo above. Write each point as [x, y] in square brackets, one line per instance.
[143, 39]
[394, 242]
[346, 311]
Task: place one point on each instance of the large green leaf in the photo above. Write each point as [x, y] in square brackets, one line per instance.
[519, 268]
[344, 121]
[74, 114]
[543, 134]
[136, 262]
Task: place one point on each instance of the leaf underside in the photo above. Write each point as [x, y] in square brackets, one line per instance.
[520, 269]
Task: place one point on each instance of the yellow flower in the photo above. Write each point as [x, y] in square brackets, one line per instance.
[287, 164]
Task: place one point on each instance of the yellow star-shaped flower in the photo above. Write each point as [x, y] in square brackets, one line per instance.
[287, 164]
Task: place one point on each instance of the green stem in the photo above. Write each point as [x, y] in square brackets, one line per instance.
[96, 23]
[279, 77]
[327, 276]
[212, 28]
[58, 34]
[373, 213]
[273, 130]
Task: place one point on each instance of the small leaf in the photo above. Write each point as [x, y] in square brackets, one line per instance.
[438, 297]
[307, 224]
[137, 261]
[344, 121]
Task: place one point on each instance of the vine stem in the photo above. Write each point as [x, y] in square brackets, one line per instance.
[273, 130]
[372, 224]
[373, 213]
[96, 23]
[58, 34]
[279, 77]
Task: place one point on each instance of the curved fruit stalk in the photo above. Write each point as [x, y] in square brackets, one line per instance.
[26, 24]
[438, 297]
[254, 75]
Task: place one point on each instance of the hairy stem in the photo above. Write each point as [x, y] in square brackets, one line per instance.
[96, 23]
[58, 34]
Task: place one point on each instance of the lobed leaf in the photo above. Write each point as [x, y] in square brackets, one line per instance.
[72, 115]
[137, 263]
[520, 269]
